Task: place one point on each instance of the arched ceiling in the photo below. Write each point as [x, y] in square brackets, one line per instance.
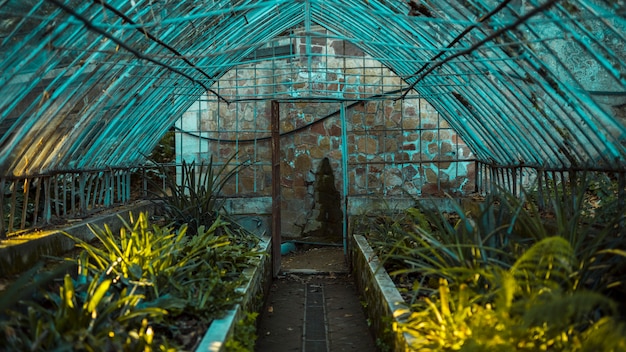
[93, 84]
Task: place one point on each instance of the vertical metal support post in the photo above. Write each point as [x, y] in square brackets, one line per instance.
[25, 204]
[47, 200]
[476, 176]
[276, 199]
[88, 194]
[73, 194]
[128, 185]
[12, 211]
[556, 188]
[514, 177]
[308, 42]
[144, 181]
[2, 229]
[83, 198]
[64, 195]
[96, 193]
[344, 167]
[119, 179]
[57, 211]
[493, 180]
[39, 183]
[108, 188]
[621, 200]
[541, 204]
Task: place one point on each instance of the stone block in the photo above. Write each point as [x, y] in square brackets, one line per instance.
[367, 145]
[303, 162]
[344, 48]
[433, 148]
[410, 123]
[428, 136]
[316, 152]
[431, 175]
[446, 149]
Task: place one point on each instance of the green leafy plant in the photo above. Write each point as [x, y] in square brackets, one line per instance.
[144, 288]
[531, 306]
[244, 337]
[81, 316]
[193, 197]
[596, 240]
[165, 263]
[503, 275]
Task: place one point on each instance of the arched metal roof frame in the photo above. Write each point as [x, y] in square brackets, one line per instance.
[91, 85]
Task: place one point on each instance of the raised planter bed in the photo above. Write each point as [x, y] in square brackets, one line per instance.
[23, 252]
[384, 305]
[255, 288]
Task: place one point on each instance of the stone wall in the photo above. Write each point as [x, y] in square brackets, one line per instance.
[394, 147]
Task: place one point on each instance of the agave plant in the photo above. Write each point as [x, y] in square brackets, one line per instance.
[193, 197]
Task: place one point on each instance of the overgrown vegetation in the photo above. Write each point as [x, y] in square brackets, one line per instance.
[146, 288]
[503, 275]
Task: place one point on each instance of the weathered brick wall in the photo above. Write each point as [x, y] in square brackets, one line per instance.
[394, 147]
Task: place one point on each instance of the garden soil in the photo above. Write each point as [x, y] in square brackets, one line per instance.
[313, 306]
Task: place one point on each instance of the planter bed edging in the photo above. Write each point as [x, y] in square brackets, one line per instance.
[385, 306]
[254, 289]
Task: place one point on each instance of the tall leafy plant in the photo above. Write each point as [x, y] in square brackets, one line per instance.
[194, 196]
[596, 237]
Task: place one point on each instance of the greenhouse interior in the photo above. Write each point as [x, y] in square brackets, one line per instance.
[374, 175]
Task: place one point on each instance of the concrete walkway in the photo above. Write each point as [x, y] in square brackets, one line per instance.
[314, 306]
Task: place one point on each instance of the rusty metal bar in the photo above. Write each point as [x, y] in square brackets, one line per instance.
[276, 199]
[57, 211]
[2, 228]
[25, 205]
[73, 210]
[83, 198]
[47, 207]
[12, 211]
[39, 182]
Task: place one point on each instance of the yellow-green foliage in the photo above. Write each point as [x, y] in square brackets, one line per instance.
[131, 289]
[501, 276]
[531, 306]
